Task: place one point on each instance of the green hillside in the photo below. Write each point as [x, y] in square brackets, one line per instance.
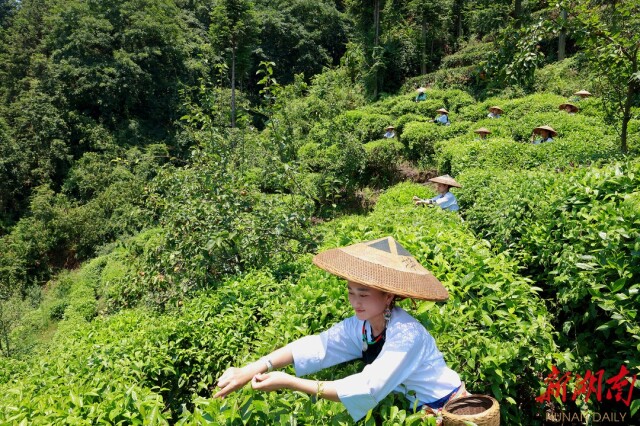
[170, 168]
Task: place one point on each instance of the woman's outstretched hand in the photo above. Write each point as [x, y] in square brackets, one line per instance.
[232, 380]
[271, 381]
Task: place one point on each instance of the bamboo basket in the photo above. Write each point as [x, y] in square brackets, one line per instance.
[481, 410]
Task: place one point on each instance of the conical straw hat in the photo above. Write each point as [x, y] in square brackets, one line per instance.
[442, 110]
[495, 108]
[385, 265]
[447, 180]
[547, 128]
[389, 127]
[582, 92]
[574, 108]
[483, 130]
[421, 89]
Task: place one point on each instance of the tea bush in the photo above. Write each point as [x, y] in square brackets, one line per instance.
[514, 109]
[576, 235]
[563, 77]
[140, 366]
[473, 53]
[383, 157]
[420, 138]
[363, 126]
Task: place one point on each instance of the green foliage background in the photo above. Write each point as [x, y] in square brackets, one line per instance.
[146, 245]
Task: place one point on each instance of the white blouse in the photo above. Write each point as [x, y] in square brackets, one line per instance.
[447, 201]
[409, 361]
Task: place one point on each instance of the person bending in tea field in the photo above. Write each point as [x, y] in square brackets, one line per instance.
[581, 94]
[482, 132]
[494, 112]
[542, 134]
[399, 353]
[389, 132]
[445, 199]
[569, 108]
[422, 94]
[442, 118]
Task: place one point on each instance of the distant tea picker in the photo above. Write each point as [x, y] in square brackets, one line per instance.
[445, 199]
[399, 353]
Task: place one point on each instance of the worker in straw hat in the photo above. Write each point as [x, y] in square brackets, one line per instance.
[399, 353]
[442, 118]
[445, 199]
[482, 132]
[543, 134]
[581, 94]
[569, 108]
[494, 112]
[390, 133]
[422, 94]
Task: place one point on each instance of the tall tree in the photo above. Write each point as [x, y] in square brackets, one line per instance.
[366, 16]
[232, 31]
[300, 36]
[430, 16]
[609, 34]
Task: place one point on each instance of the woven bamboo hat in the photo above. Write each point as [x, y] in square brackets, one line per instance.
[495, 109]
[573, 107]
[582, 93]
[421, 89]
[483, 130]
[547, 128]
[389, 128]
[385, 265]
[442, 110]
[447, 180]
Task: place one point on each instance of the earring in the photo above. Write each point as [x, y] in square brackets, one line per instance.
[387, 314]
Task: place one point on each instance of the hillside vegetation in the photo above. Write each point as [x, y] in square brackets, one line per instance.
[170, 168]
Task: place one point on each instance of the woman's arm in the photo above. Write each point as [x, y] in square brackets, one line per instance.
[235, 378]
[279, 380]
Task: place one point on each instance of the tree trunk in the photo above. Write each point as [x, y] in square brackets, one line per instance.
[459, 6]
[376, 41]
[233, 87]
[376, 22]
[423, 65]
[562, 38]
[517, 12]
[626, 114]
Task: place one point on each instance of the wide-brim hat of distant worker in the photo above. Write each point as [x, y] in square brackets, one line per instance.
[442, 110]
[582, 93]
[483, 130]
[389, 128]
[385, 265]
[547, 128]
[421, 89]
[573, 107]
[495, 109]
[447, 180]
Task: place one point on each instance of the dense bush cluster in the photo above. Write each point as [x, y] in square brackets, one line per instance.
[141, 365]
[576, 234]
[203, 242]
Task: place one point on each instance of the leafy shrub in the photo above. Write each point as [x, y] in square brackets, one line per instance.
[408, 118]
[364, 126]
[382, 159]
[562, 77]
[213, 227]
[515, 109]
[420, 138]
[148, 367]
[576, 235]
[473, 53]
